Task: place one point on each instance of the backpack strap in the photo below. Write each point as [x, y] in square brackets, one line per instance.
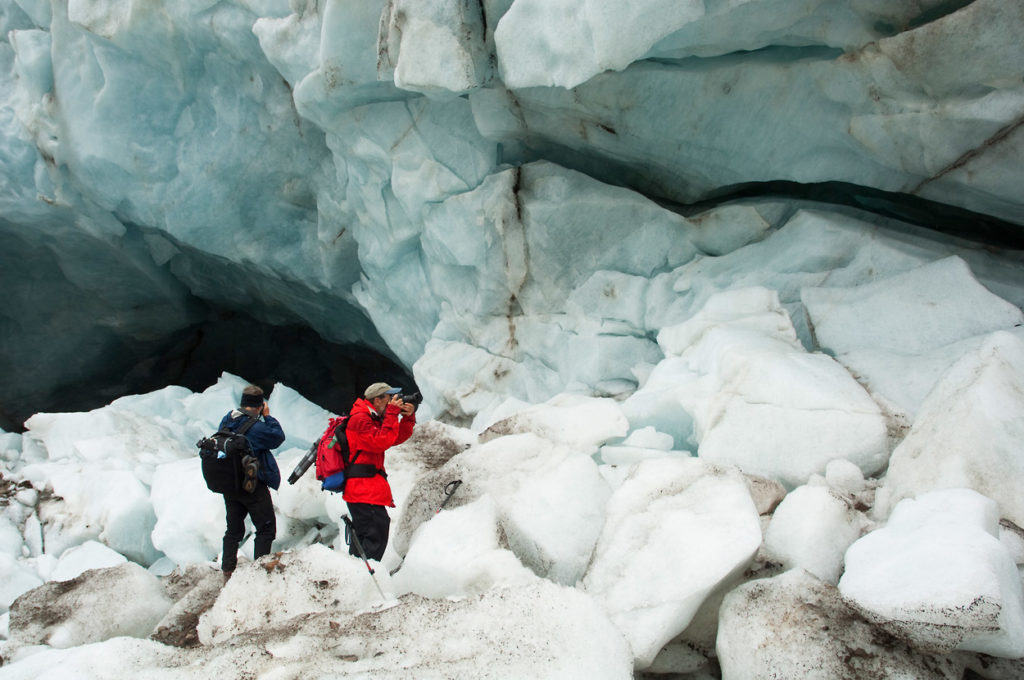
[244, 427]
[353, 469]
[363, 470]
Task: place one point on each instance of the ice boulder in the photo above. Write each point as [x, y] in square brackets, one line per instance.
[16, 577]
[845, 477]
[676, 529]
[641, 444]
[280, 587]
[938, 575]
[459, 553]
[125, 600]
[796, 626]
[969, 430]
[194, 589]
[532, 631]
[550, 498]
[536, 631]
[811, 529]
[82, 558]
[567, 42]
[206, 408]
[303, 500]
[902, 332]
[96, 660]
[766, 493]
[762, 403]
[11, 539]
[112, 506]
[434, 47]
[584, 422]
[928, 307]
[302, 420]
[661, 402]
[189, 517]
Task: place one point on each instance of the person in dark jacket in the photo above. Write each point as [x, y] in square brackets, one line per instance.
[373, 427]
[265, 434]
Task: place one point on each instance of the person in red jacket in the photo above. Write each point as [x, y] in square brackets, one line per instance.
[373, 427]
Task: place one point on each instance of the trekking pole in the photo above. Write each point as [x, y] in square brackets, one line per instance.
[449, 489]
[359, 547]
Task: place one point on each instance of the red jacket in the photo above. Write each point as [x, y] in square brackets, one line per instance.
[369, 436]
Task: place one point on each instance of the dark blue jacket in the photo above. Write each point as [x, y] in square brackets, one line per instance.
[264, 435]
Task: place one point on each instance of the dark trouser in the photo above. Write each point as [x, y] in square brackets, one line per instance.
[372, 525]
[260, 508]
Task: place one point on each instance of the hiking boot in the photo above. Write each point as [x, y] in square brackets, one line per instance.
[250, 466]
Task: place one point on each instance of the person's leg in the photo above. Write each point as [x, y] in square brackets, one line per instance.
[261, 511]
[372, 526]
[382, 529]
[234, 512]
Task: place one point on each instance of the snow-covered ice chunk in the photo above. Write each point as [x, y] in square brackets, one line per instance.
[759, 401]
[969, 430]
[937, 574]
[811, 529]
[189, 517]
[538, 631]
[81, 558]
[206, 408]
[457, 553]
[302, 420]
[550, 498]
[97, 605]
[766, 493]
[756, 310]
[676, 529]
[304, 500]
[277, 588]
[579, 421]
[16, 578]
[95, 660]
[899, 334]
[649, 438]
[845, 476]
[641, 444]
[796, 626]
[11, 539]
[112, 506]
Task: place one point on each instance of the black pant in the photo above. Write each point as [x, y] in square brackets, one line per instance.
[260, 508]
[372, 526]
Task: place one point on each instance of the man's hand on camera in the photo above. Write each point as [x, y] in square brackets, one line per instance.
[408, 409]
[266, 409]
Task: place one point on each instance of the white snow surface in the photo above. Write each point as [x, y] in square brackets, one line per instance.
[938, 572]
[546, 550]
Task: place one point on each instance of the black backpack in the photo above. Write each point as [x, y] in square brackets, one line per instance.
[229, 465]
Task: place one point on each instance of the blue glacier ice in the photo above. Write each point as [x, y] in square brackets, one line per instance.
[644, 247]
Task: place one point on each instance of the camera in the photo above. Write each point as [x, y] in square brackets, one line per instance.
[415, 398]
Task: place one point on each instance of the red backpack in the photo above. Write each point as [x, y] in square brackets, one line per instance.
[332, 449]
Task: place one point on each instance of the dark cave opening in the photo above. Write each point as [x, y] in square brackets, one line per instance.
[330, 375]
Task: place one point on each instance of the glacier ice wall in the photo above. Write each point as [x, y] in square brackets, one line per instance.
[507, 198]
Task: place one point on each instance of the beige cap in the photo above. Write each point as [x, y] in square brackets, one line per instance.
[379, 389]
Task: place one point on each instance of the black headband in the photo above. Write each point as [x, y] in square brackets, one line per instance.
[252, 400]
